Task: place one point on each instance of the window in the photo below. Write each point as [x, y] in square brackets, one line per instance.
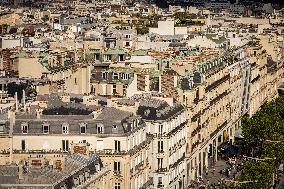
[45, 128]
[160, 129]
[65, 129]
[160, 146]
[117, 146]
[104, 75]
[75, 81]
[24, 128]
[160, 163]
[127, 43]
[108, 57]
[65, 145]
[160, 180]
[100, 145]
[100, 129]
[23, 145]
[125, 76]
[114, 126]
[2, 126]
[83, 128]
[117, 186]
[124, 89]
[115, 75]
[116, 167]
[113, 89]
[127, 36]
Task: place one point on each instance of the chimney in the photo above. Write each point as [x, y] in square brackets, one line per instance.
[16, 98]
[38, 113]
[85, 99]
[109, 102]
[136, 107]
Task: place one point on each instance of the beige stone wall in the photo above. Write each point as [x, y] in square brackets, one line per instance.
[30, 68]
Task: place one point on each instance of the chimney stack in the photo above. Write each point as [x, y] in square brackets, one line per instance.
[16, 98]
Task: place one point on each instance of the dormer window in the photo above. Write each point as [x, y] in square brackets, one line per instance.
[114, 126]
[45, 128]
[65, 128]
[100, 129]
[115, 75]
[24, 128]
[104, 75]
[83, 128]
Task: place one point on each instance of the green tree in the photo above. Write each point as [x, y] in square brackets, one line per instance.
[142, 30]
[259, 171]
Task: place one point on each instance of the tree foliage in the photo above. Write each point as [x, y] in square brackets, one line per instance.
[264, 136]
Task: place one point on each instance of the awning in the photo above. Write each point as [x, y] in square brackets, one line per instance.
[239, 133]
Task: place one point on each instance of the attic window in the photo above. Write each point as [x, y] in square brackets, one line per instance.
[114, 126]
[65, 129]
[2, 126]
[100, 129]
[24, 128]
[83, 128]
[45, 128]
[115, 75]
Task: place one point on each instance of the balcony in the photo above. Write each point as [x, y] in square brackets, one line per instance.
[117, 173]
[217, 83]
[111, 152]
[194, 145]
[139, 166]
[178, 161]
[147, 184]
[219, 97]
[162, 170]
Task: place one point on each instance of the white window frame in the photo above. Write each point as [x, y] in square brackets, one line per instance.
[65, 128]
[83, 125]
[100, 129]
[45, 125]
[117, 186]
[115, 76]
[25, 127]
[105, 75]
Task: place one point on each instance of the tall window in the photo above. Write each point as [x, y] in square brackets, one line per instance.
[115, 75]
[65, 145]
[160, 129]
[116, 167]
[160, 180]
[83, 128]
[117, 186]
[104, 75]
[24, 128]
[160, 146]
[117, 146]
[23, 145]
[160, 163]
[100, 129]
[113, 89]
[65, 128]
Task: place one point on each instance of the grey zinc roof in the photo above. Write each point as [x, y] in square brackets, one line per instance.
[107, 117]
